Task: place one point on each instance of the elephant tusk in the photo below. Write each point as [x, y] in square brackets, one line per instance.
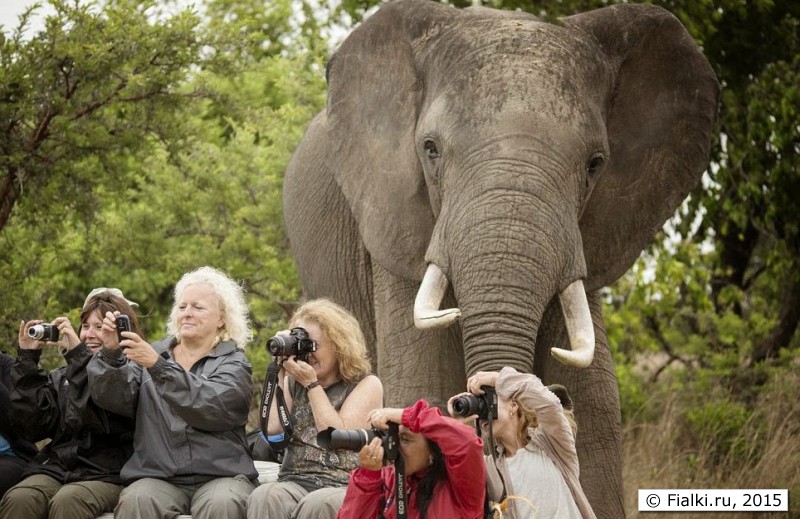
[580, 327]
[427, 315]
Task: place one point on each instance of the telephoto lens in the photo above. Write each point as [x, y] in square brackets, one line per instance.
[43, 332]
[348, 439]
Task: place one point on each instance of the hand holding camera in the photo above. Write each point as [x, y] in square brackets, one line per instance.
[384, 445]
[111, 331]
[36, 333]
[296, 343]
[468, 405]
[371, 455]
[294, 347]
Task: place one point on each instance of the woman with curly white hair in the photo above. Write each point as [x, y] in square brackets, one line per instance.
[190, 394]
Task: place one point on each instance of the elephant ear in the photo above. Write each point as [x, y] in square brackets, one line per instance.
[659, 117]
[374, 95]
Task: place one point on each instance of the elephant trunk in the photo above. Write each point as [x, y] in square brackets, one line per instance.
[504, 281]
[574, 305]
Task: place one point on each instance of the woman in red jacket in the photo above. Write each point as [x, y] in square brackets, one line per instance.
[443, 462]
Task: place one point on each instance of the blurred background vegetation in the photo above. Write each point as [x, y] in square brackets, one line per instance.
[140, 139]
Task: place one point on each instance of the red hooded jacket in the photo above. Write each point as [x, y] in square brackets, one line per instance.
[370, 493]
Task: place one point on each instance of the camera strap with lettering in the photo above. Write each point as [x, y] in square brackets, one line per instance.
[399, 478]
[272, 388]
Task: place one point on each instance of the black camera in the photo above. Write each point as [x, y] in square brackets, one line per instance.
[43, 332]
[485, 405]
[297, 343]
[355, 439]
[123, 323]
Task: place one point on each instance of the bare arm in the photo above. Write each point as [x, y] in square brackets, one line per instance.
[366, 396]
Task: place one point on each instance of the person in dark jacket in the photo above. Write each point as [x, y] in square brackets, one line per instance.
[190, 394]
[76, 475]
[15, 452]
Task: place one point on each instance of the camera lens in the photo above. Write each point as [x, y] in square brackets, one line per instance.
[351, 439]
[467, 405]
[280, 345]
[43, 332]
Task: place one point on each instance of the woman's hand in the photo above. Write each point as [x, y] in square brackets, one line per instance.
[67, 335]
[481, 378]
[135, 348]
[380, 418]
[300, 371]
[26, 342]
[371, 455]
[108, 332]
[139, 350]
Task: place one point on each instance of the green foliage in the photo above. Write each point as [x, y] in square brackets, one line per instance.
[718, 426]
[166, 186]
[141, 140]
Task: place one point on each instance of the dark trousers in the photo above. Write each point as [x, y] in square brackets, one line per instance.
[10, 472]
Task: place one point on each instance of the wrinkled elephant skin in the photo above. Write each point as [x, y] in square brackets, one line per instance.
[516, 157]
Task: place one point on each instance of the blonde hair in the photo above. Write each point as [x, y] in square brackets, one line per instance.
[342, 328]
[230, 301]
[527, 419]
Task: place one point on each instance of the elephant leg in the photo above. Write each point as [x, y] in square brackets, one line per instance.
[596, 395]
[412, 363]
[331, 259]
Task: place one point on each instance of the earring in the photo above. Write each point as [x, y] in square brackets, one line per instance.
[430, 459]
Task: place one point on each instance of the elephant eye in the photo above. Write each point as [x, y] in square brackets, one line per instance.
[431, 150]
[595, 163]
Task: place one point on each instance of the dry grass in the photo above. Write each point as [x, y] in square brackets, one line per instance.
[667, 454]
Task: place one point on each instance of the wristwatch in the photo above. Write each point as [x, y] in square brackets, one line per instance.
[312, 385]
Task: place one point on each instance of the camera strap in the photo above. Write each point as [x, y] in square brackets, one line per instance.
[272, 389]
[493, 451]
[399, 477]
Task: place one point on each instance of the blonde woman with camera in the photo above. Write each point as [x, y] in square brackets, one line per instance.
[330, 386]
[534, 466]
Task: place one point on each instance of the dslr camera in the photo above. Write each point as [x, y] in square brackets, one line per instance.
[485, 405]
[43, 332]
[354, 439]
[298, 343]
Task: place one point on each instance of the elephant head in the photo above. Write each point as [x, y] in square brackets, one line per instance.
[512, 167]
[515, 160]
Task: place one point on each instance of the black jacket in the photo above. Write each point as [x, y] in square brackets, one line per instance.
[22, 447]
[87, 442]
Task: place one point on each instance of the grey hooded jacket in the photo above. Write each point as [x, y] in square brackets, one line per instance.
[190, 426]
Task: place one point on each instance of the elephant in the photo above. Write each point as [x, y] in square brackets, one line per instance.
[478, 176]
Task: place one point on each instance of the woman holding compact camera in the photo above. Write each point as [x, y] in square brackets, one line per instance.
[442, 461]
[76, 475]
[534, 464]
[330, 386]
[190, 394]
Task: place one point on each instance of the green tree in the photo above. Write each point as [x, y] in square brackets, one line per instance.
[197, 179]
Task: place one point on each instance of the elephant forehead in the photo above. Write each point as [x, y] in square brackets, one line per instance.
[507, 65]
